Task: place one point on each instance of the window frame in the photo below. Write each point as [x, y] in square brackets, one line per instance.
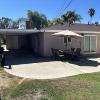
[66, 40]
[90, 45]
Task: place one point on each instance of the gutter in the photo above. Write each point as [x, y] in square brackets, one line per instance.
[92, 32]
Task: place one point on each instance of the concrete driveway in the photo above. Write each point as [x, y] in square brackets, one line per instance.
[39, 68]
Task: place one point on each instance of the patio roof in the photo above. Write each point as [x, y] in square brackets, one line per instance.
[17, 31]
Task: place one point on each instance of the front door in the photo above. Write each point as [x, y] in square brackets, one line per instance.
[90, 44]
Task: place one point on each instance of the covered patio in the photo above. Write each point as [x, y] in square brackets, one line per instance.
[22, 41]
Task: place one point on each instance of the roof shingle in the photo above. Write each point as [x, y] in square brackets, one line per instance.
[76, 27]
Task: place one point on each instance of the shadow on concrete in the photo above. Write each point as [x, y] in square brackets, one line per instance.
[85, 62]
[23, 57]
[27, 57]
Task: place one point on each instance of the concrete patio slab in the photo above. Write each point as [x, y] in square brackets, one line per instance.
[44, 70]
[54, 69]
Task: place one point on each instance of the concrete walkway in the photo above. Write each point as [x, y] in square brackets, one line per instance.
[54, 69]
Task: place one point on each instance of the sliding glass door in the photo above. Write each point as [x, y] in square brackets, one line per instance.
[89, 44]
[93, 43]
[86, 44]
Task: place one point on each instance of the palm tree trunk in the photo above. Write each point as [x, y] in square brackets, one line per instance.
[91, 20]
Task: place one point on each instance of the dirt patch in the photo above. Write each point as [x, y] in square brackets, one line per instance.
[7, 80]
[37, 96]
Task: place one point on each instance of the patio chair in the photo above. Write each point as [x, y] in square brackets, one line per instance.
[54, 53]
[78, 51]
[72, 50]
[60, 54]
[77, 54]
[57, 54]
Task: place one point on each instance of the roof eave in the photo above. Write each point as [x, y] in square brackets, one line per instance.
[95, 32]
[17, 31]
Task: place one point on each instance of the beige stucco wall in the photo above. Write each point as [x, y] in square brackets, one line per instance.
[58, 43]
[98, 44]
[12, 42]
[37, 43]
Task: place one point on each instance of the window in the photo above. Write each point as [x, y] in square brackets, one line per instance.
[67, 39]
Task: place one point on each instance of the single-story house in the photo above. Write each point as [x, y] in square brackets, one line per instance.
[41, 41]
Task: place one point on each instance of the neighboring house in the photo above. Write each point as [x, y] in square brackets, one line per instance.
[24, 23]
[41, 41]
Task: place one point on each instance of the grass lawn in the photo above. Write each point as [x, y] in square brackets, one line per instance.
[80, 87]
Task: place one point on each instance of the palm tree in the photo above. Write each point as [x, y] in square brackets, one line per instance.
[71, 17]
[91, 13]
[37, 20]
[57, 21]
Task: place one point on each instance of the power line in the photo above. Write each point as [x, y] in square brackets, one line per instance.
[65, 7]
[60, 10]
[64, 4]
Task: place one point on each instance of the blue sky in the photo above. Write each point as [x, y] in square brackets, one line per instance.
[51, 8]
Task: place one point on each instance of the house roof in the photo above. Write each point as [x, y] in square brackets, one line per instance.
[78, 28]
[75, 27]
